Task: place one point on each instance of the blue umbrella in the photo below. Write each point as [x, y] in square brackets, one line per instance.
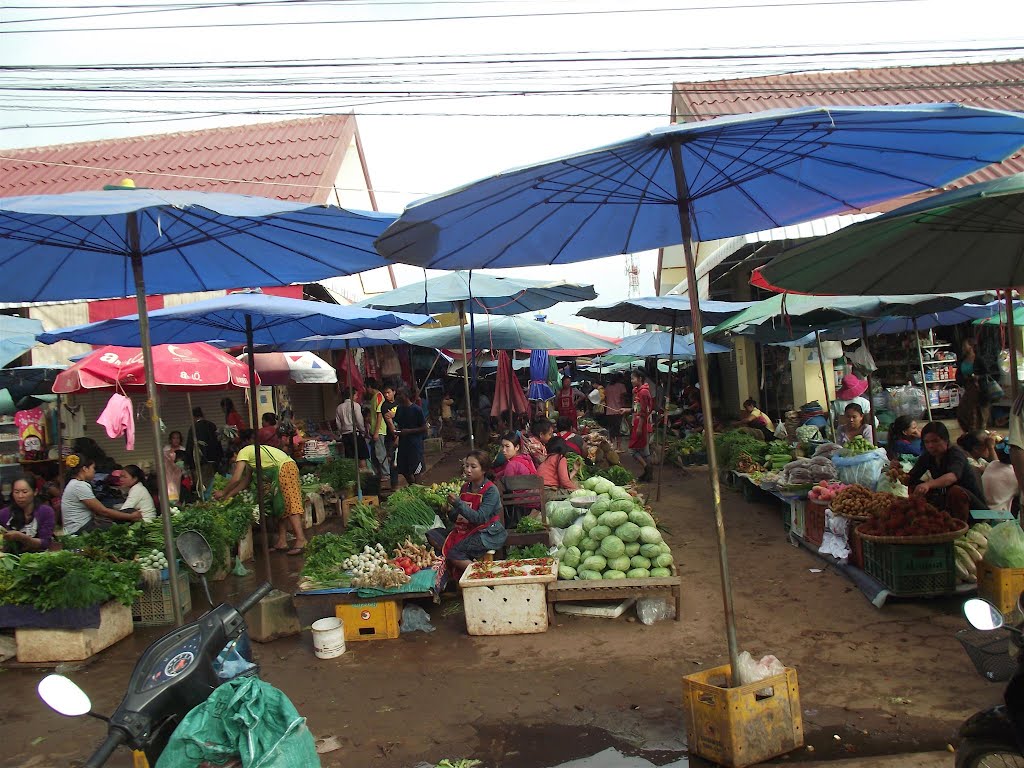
[357, 340]
[82, 244]
[17, 336]
[238, 318]
[659, 344]
[539, 387]
[729, 176]
[699, 182]
[94, 245]
[495, 295]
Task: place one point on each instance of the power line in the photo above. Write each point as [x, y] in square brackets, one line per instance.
[537, 14]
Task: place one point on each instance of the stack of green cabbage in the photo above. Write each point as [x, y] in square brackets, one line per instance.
[616, 539]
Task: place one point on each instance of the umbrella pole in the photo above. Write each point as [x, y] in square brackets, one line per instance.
[683, 205]
[426, 378]
[668, 399]
[352, 416]
[1013, 344]
[465, 371]
[871, 400]
[60, 443]
[154, 413]
[196, 459]
[824, 378]
[920, 363]
[254, 420]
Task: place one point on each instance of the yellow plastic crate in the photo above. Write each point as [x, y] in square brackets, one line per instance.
[370, 621]
[1000, 586]
[737, 727]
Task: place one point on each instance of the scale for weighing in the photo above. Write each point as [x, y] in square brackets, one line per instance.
[195, 550]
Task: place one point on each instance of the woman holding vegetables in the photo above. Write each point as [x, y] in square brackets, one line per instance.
[477, 517]
[28, 525]
[283, 475]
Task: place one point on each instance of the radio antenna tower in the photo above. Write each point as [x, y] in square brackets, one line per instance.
[633, 275]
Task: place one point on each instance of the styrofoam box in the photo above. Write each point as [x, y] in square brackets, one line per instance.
[514, 605]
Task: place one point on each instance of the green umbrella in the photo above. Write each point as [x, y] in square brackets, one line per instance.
[964, 240]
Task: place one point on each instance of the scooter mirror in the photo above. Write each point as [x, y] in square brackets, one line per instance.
[63, 696]
[982, 614]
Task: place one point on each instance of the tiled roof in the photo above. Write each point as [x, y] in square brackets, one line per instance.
[995, 85]
[290, 160]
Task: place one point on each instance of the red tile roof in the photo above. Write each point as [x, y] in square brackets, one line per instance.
[290, 160]
[995, 85]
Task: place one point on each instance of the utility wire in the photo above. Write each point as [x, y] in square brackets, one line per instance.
[537, 14]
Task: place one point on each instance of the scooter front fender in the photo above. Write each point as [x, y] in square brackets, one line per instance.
[990, 725]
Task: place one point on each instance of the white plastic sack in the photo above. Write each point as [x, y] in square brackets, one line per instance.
[861, 357]
[835, 540]
[749, 671]
[864, 469]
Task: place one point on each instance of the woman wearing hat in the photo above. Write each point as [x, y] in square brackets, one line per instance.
[851, 390]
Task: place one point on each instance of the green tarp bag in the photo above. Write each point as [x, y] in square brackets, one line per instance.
[244, 717]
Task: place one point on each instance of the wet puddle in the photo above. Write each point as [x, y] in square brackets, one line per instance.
[561, 746]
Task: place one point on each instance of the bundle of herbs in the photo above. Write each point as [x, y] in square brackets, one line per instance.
[58, 580]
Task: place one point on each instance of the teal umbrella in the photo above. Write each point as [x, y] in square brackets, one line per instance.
[507, 333]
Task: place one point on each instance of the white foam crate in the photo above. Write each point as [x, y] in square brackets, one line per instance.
[509, 605]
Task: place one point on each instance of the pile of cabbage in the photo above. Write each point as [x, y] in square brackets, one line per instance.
[615, 539]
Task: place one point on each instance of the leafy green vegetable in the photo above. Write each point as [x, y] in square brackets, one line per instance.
[53, 580]
[617, 474]
[527, 553]
[530, 525]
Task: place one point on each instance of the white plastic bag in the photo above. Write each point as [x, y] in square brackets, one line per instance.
[749, 671]
[861, 357]
[863, 469]
[835, 540]
[652, 609]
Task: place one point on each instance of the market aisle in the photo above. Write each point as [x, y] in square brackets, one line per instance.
[589, 684]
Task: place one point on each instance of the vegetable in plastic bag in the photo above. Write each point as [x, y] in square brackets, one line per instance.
[1006, 546]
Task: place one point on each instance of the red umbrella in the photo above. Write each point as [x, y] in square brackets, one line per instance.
[508, 395]
[182, 366]
[346, 368]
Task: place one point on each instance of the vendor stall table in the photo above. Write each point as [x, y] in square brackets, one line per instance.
[373, 605]
[614, 589]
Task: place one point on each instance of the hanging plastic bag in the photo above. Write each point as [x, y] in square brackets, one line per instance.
[835, 540]
[832, 350]
[861, 357]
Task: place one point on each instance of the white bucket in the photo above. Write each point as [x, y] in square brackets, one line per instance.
[328, 638]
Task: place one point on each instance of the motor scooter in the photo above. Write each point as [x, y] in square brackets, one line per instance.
[994, 737]
[175, 674]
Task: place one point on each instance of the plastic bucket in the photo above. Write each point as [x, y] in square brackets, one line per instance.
[328, 638]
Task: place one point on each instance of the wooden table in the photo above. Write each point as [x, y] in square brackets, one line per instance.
[588, 590]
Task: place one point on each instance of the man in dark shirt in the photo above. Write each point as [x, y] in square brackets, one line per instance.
[209, 448]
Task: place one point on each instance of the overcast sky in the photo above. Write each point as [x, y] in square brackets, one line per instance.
[429, 123]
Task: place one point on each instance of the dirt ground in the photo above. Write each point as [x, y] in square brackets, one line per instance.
[872, 681]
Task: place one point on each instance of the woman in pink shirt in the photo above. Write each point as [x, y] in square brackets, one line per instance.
[516, 464]
[555, 468]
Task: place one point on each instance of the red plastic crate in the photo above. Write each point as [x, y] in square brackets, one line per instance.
[814, 522]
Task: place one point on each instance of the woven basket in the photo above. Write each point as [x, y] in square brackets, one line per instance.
[935, 538]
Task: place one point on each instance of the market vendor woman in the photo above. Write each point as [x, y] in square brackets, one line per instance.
[28, 524]
[282, 473]
[954, 485]
[477, 516]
